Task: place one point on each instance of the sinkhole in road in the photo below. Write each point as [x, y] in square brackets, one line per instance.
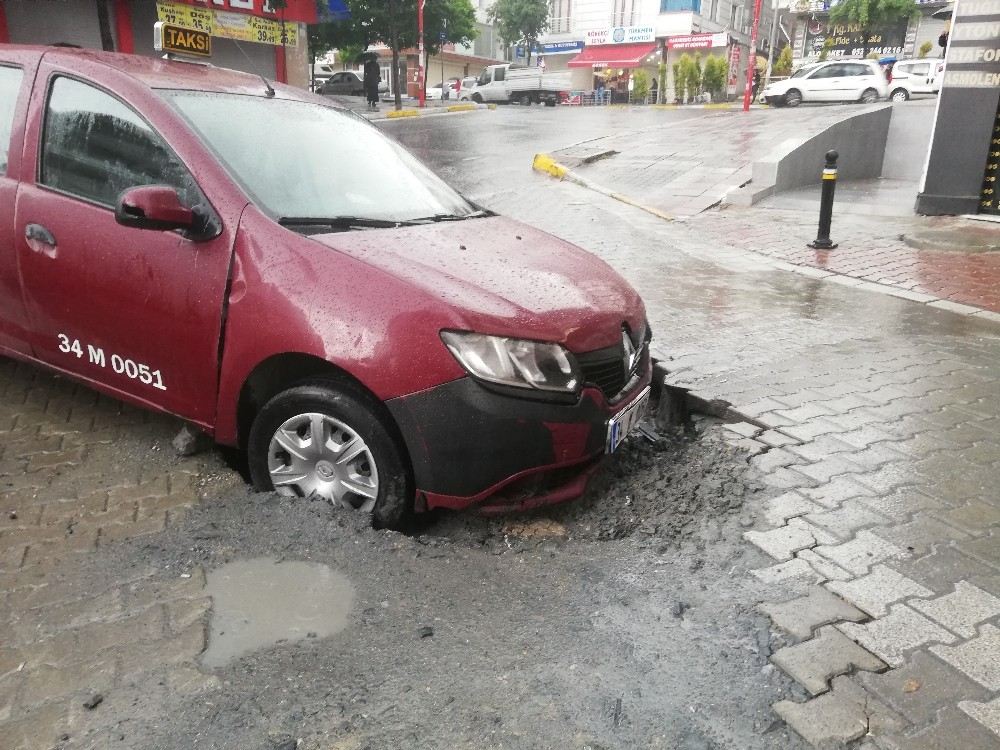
[260, 602]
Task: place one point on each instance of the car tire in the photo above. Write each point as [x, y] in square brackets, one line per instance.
[524, 100]
[793, 98]
[869, 96]
[899, 95]
[550, 102]
[477, 98]
[345, 416]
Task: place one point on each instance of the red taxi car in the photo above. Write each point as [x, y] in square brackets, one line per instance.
[275, 271]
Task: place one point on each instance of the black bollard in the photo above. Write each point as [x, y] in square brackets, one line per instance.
[823, 241]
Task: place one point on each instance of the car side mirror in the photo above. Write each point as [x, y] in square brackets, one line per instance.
[156, 207]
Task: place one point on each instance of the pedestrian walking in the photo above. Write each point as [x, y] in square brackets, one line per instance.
[373, 76]
[756, 82]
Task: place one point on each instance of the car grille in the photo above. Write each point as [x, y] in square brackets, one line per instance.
[605, 368]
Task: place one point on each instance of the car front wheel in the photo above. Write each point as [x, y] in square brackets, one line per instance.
[793, 98]
[477, 98]
[870, 96]
[324, 439]
[899, 95]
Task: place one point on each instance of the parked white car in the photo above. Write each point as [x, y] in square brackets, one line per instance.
[911, 77]
[832, 81]
[468, 84]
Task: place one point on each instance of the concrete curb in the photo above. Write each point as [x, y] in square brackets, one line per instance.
[395, 114]
[546, 164]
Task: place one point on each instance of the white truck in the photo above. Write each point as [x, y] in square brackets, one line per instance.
[511, 83]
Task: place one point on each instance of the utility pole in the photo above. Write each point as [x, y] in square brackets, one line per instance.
[752, 62]
[420, 52]
[775, 21]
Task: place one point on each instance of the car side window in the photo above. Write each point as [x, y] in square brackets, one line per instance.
[921, 69]
[857, 70]
[95, 147]
[830, 71]
[499, 74]
[10, 85]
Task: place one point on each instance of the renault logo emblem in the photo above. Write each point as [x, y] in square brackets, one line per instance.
[630, 351]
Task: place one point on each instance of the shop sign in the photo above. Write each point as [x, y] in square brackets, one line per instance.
[621, 35]
[974, 46]
[697, 41]
[848, 39]
[174, 39]
[296, 11]
[561, 48]
[238, 26]
[734, 69]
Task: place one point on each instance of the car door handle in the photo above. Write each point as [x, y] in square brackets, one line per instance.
[40, 240]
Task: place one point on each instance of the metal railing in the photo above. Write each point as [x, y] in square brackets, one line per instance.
[560, 25]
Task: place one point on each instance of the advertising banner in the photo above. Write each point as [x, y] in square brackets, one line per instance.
[621, 35]
[848, 39]
[241, 27]
[697, 41]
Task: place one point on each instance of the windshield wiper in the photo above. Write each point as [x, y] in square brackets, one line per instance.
[453, 217]
[341, 222]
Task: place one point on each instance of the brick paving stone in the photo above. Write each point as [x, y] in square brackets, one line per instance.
[986, 549]
[874, 592]
[802, 615]
[902, 630]
[859, 554]
[961, 610]
[846, 713]
[987, 714]
[847, 520]
[776, 439]
[919, 534]
[788, 571]
[776, 458]
[954, 730]
[979, 658]
[813, 663]
[782, 543]
[743, 429]
[975, 517]
[827, 570]
[788, 505]
[822, 447]
[921, 687]
[836, 491]
[827, 469]
[902, 503]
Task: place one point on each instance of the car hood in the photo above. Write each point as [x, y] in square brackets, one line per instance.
[505, 278]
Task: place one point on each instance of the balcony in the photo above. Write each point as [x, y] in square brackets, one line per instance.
[560, 25]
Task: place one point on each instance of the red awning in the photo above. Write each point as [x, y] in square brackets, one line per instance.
[613, 55]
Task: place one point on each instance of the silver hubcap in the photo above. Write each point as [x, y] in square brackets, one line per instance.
[316, 455]
[899, 96]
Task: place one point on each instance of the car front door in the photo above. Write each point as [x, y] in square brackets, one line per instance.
[138, 312]
[16, 75]
[823, 84]
[921, 80]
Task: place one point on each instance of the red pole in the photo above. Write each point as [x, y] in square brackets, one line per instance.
[420, 52]
[123, 25]
[4, 34]
[752, 62]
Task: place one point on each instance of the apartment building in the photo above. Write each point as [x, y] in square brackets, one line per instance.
[603, 41]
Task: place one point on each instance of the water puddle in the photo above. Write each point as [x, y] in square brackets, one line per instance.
[261, 601]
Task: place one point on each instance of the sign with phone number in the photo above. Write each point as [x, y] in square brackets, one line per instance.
[237, 26]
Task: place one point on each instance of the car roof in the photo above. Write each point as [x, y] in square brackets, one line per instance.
[155, 72]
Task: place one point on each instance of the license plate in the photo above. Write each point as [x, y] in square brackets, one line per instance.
[625, 421]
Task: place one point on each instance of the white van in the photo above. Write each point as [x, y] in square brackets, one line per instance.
[911, 77]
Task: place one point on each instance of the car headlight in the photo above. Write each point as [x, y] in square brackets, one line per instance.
[515, 362]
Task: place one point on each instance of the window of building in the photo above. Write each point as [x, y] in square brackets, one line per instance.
[670, 6]
[95, 147]
[10, 85]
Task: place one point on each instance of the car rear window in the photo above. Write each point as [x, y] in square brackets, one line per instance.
[10, 85]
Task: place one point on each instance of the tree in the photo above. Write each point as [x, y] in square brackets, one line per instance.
[104, 24]
[783, 65]
[661, 83]
[714, 76]
[825, 52]
[394, 23]
[519, 21]
[691, 69]
[679, 77]
[925, 49]
[870, 15]
[640, 86]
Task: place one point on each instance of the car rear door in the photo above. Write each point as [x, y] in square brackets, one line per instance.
[17, 72]
[921, 79]
[138, 312]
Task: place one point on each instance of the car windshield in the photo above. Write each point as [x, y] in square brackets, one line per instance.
[803, 71]
[300, 159]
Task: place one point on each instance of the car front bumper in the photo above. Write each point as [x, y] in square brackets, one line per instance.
[470, 445]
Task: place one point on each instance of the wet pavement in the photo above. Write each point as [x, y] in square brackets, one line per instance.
[877, 417]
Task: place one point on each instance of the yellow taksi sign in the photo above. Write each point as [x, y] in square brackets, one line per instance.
[224, 25]
[183, 41]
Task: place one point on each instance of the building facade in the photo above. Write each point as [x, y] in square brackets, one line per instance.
[247, 34]
[604, 41]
